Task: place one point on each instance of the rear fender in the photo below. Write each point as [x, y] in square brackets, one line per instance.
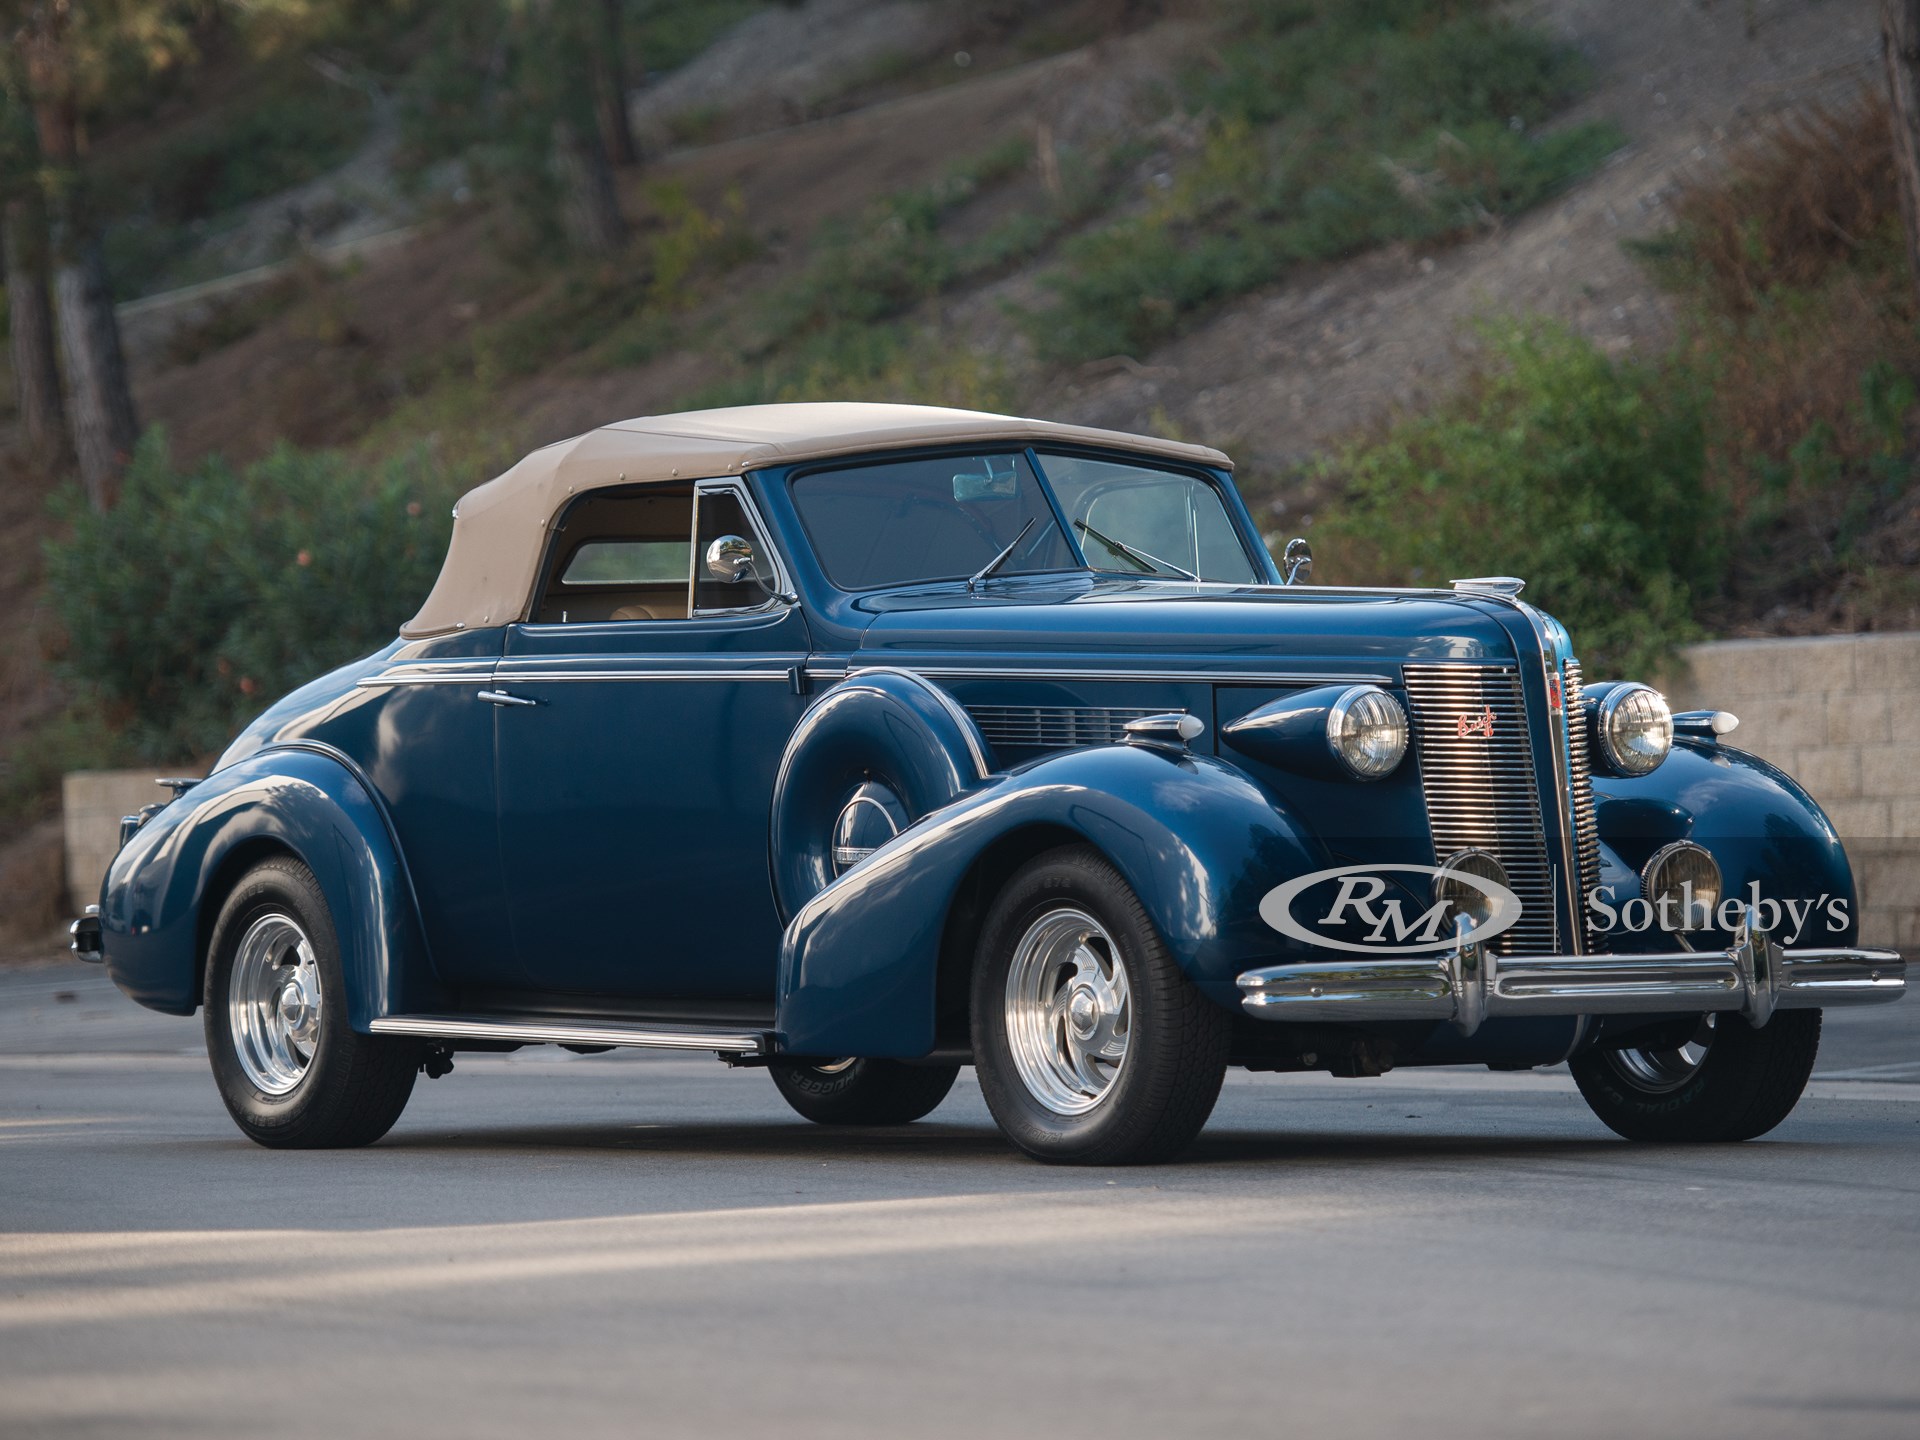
[1197, 841]
[163, 890]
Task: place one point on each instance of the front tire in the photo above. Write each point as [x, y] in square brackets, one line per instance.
[864, 1092]
[1729, 1082]
[293, 1073]
[1092, 1046]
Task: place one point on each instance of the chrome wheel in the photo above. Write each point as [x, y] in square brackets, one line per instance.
[1069, 1011]
[1660, 1071]
[273, 1003]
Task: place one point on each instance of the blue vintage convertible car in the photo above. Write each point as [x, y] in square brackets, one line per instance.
[864, 742]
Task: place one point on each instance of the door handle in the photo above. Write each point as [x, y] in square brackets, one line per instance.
[501, 697]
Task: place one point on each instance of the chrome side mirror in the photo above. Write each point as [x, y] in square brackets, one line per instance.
[730, 560]
[1296, 562]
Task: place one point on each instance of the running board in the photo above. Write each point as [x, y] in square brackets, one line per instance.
[533, 1030]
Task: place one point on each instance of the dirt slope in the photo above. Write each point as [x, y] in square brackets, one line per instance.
[1279, 373]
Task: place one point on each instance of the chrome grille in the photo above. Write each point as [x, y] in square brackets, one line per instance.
[1586, 833]
[1053, 727]
[1479, 786]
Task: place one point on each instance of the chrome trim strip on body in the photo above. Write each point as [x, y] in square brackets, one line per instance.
[1203, 677]
[534, 1031]
[509, 675]
[1753, 976]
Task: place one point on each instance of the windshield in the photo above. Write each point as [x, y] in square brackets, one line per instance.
[904, 521]
[1137, 520]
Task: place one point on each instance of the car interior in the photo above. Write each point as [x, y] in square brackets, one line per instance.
[630, 555]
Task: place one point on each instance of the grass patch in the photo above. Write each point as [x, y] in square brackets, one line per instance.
[893, 256]
[1333, 126]
[663, 35]
[892, 361]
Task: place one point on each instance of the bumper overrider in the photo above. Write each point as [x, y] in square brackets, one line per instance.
[1467, 984]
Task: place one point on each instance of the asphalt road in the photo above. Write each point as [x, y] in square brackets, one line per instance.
[631, 1245]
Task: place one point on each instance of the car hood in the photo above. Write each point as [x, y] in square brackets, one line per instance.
[1178, 624]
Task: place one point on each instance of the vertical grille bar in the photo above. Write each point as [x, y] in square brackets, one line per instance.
[1586, 833]
[1476, 770]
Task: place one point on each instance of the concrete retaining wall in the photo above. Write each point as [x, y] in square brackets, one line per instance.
[92, 802]
[1841, 714]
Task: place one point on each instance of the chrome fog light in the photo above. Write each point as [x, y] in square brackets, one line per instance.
[1367, 729]
[1634, 729]
[1454, 886]
[1682, 883]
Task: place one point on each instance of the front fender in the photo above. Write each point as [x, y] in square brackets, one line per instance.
[156, 903]
[1197, 841]
[1760, 826]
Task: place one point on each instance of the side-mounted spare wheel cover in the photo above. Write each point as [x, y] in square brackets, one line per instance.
[873, 755]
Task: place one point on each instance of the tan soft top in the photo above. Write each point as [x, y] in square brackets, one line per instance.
[500, 529]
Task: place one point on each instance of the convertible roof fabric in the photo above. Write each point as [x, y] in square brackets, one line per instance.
[500, 528]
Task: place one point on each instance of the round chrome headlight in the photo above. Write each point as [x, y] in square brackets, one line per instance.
[1682, 883]
[1634, 729]
[1367, 729]
[1454, 886]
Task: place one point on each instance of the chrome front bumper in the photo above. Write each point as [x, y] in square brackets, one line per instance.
[1468, 984]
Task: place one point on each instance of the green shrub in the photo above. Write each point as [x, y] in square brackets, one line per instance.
[1583, 474]
[207, 592]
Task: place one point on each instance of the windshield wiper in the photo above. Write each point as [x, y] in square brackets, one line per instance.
[997, 561]
[1139, 557]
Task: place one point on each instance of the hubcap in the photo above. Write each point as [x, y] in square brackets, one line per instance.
[1069, 1011]
[274, 1004]
[1660, 1071]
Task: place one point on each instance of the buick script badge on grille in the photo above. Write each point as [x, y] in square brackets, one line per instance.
[1481, 725]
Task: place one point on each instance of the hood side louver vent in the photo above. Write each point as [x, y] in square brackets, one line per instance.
[1054, 727]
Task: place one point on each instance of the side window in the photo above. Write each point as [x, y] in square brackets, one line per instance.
[621, 555]
[723, 522]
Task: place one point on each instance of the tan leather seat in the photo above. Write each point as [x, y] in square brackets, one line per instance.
[649, 612]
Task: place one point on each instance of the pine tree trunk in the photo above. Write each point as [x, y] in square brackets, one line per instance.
[99, 396]
[610, 88]
[100, 409]
[36, 374]
[1900, 30]
[589, 208]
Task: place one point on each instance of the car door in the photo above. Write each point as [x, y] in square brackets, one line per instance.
[637, 755]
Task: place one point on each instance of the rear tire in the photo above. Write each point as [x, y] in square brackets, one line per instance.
[1746, 1082]
[293, 1073]
[864, 1092]
[1092, 1046]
